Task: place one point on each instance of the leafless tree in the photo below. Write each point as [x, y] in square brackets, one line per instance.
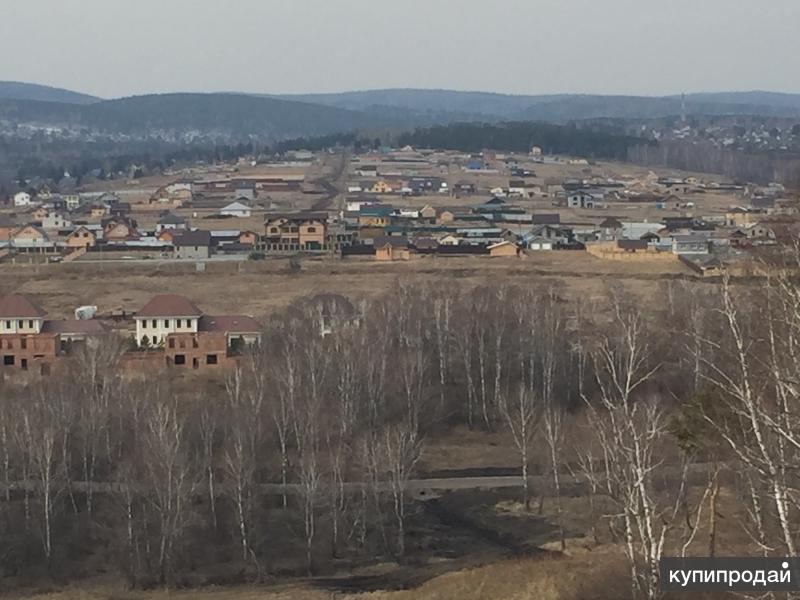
[629, 430]
[170, 475]
[241, 451]
[400, 449]
[520, 413]
[41, 432]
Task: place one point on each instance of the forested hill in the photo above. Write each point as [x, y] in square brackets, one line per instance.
[17, 90]
[228, 116]
[521, 136]
[486, 106]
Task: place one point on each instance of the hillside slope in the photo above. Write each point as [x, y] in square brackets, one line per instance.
[560, 107]
[17, 90]
[198, 115]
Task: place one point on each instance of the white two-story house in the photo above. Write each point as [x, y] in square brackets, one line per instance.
[164, 315]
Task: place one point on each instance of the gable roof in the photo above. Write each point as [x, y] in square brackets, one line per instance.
[80, 228]
[500, 244]
[632, 244]
[169, 305]
[229, 324]
[171, 219]
[385, 240]
[35, 228]
[18, 306]
[547, 219]
[610, 223]
[192, 238]
[236, 206]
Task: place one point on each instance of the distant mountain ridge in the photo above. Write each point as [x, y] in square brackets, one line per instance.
[223, 116]
[560, 107]
[238, 116]
[17, 90]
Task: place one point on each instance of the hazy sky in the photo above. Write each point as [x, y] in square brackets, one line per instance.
[119, 47]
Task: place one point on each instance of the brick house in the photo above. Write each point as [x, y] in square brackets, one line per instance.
[82, 237]
[189, 337]
[29, 341]
[295, 231]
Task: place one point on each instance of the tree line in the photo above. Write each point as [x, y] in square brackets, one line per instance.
[306, 448]
[570, 139]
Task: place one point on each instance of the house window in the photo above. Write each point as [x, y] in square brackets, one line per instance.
[180, 359]
[312, 230]
[155, 341]
[8, 324]
[19, 324]
[155, 324]
[211, 359]
[30, 324]
[171, 342]
[8, 360]
[23, 343]
[166, 323]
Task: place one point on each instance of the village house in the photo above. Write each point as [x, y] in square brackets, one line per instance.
[55, 221]
[741, 217]
[292, 232]
[537, 243]
[245, 193]
[521, 188]
[759, 231]
[7, 228]
[190, 338]
[464, 188]
[367, 171]
[380, 187]
[39, 213]
[690, 244]
[610, 228]
[192, 245]
[22, 343]
[248, 238]
[236, 209]
[31, 342]
[72, 201]
[98, 210]
[503, 249]
[82, 237]
[120, 209]
[550, 233]
[676, 186]
[119, 229]
[30, 238]
[22, 199]
[585, 198]
[392, 248]
[375, 215]
[171, 221]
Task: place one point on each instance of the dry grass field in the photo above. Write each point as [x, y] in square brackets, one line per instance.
[259, 288]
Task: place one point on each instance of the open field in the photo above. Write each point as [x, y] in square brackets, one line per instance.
[259, 288]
